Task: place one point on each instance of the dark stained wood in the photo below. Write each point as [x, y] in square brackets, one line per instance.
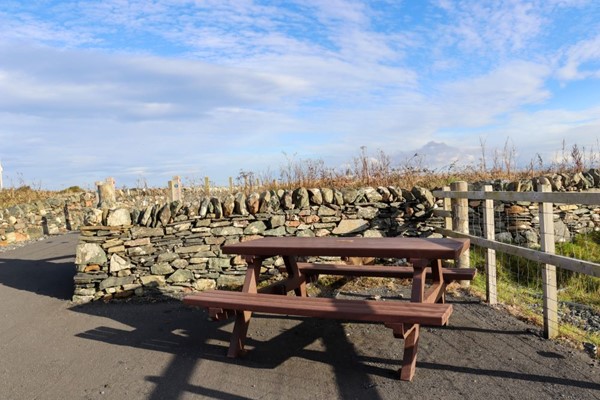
[356, 310]
[399, 247]
[383, 271]
[409, 360]
[242, 319]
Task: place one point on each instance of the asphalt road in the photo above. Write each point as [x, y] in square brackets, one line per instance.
[53, 349]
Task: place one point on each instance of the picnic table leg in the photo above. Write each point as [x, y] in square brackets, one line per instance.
[411, 339]
[291, 266]
[437, 275]
[242, 320]
[409, 360]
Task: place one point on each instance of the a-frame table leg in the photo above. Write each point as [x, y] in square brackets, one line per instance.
[242, 320]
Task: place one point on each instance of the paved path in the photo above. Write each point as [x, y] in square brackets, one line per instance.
[52, 349]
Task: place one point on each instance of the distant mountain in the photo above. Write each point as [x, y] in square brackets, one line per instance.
[436, 155]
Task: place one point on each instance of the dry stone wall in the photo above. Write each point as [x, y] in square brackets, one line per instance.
[45, 217]
[175, 248]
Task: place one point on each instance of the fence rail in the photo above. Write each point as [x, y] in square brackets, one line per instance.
[456, 219]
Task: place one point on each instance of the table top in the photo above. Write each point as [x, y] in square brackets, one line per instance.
[396, 247]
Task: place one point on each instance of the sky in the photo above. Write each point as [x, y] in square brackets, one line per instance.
[145, 90]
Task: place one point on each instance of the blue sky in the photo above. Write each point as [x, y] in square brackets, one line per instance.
[152, 89]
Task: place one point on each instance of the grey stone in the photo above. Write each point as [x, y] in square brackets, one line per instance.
[161, 269]
[167, 257]
[240, 204]
[349, 195]
[385, 193]
[181, 275]
[372, 195]
[347, 226]
[253, 203]
[305, 233]
[276, 220]
[146, 216]
[113, 281]
[179, 264]
[83, 278]
[228, 205]
[315, 196]
[561, 232]
[423, 195]
[217, 208]
[372, 233]
[327, 194]
[90, 253]
[164, 215]
[274, 202]
[230, 281]
[192, 249]
[265, 202]
[326, 211]
[118, 217]
[118, 263]
[203, 207]
[300, 198]
[139, 232]
[367, 212]
[255, 228]
[140, 250]
[287, 202]
[219, 263]
[204, 284]
[504, 237]
[153, 280]
[279, 231]
[227, 231]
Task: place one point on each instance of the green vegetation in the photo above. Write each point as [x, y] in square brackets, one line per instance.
[519, 284]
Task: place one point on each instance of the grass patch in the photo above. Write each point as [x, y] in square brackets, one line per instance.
[519, 286]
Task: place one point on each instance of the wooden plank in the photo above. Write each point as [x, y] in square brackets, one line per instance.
[490, 256]
[571, 264]
[438, 212]
[548, 270]
[291, 266]
[382, 271]
[460, 221]
[397, 247]
[534, 197]
[447, 208]
[242, 320]
[359, 310]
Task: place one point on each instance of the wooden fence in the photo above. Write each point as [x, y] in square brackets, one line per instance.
[456, 215]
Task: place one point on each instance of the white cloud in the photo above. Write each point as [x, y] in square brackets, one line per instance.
[212, 87]
[577, 56]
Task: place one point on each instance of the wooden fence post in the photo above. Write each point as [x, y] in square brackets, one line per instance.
[230, 184]
[460, 221]
[548, 270]
[447, 207]
[490, 255]
[206, 186]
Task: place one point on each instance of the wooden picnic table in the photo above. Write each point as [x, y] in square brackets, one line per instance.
[425, 262]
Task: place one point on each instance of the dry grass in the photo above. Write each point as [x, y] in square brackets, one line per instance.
[25, 194]
[377, 169]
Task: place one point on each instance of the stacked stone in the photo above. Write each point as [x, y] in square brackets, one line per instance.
[48, 217]
[176, 248]
[519, 223]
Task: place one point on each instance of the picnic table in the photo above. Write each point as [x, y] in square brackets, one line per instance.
[427, 304]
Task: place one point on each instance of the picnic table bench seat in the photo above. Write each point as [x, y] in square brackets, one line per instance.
[313, 270]
[221, 302]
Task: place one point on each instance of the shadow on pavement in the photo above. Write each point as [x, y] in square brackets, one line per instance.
[184, 332]
[51, 275]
